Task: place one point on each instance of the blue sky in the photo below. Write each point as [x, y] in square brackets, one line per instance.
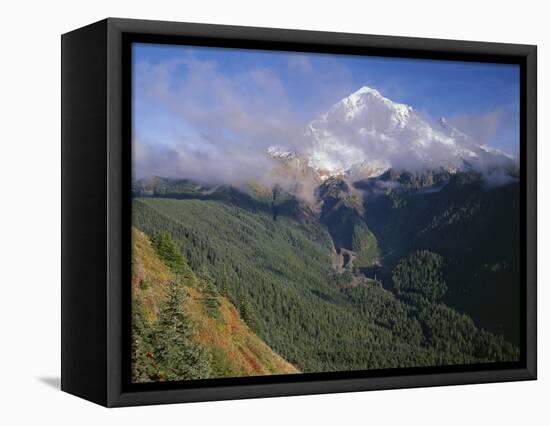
[184, 93]
[440, 88]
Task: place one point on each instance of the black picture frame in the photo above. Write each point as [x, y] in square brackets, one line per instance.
[96, 178]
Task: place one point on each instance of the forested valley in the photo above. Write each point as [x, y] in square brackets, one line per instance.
[398, 271]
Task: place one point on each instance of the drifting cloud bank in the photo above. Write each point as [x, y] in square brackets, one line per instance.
[193, 121]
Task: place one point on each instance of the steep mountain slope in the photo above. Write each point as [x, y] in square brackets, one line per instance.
[316, 318]
[343, 214]
[234, 349]
[474, 226]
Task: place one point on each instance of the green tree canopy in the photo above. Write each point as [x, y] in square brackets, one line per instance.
[170, 254]
[178, 356]
[421, 273]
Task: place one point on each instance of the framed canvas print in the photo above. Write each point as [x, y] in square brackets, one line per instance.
[252, 212]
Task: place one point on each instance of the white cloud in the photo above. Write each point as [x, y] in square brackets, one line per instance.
[208, 126]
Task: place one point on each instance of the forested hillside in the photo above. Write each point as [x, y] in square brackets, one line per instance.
[475, 227]
[183, 327]
[275, 257]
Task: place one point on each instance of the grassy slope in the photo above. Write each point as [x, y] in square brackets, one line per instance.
[235, 350]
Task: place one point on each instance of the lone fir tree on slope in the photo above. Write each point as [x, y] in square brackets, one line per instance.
[178, 356]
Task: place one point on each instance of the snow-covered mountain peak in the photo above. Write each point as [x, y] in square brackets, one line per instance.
[371, 107]
[364, 91]
[365, 134]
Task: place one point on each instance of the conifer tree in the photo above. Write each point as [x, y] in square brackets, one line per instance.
[247, 311]
[243, 306]
[169, 253]
[210, 293]
[143, 368]
[178, 356]
[224, 290]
